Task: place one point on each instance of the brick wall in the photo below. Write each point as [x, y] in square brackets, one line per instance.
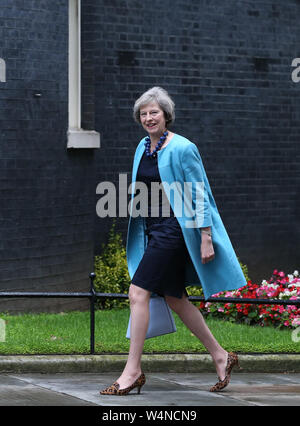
[47, 191]
[228, 67]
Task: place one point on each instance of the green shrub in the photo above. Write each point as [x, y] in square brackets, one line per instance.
[111, 271]
[245, 270]
[195, 291]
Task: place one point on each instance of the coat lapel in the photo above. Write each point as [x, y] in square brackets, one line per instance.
[136, 163]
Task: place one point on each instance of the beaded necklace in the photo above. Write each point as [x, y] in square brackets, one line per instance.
[147, 144]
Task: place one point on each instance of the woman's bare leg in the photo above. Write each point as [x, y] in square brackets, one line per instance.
[139, 309]
[193, 319]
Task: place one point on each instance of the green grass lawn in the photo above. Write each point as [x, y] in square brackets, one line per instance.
[68, 333]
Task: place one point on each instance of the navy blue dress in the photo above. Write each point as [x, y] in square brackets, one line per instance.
[162, 268]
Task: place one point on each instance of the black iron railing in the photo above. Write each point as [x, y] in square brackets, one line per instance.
[92, 295]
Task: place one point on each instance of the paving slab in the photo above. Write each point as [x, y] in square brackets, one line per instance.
[161, 389]
[15, 391]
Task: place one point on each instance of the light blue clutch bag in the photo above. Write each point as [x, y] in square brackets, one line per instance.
[161, 320]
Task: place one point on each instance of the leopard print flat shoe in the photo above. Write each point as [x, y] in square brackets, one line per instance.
[114, 389]
[232, 360]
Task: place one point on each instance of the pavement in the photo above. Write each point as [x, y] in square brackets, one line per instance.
[171, 381]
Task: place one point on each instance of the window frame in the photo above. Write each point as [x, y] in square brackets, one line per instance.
[77, 137]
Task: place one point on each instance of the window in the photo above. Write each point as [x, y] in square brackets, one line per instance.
[77, 137]
[2, 71]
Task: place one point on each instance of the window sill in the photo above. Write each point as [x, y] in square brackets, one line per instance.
[83, 138]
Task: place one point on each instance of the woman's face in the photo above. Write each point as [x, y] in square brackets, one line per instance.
[153, 119]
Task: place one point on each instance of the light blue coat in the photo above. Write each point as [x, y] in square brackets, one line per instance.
[180, 162]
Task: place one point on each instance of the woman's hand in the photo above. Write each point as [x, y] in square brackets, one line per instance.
[207, 249]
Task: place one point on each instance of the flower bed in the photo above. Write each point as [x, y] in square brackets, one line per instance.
[280, 286]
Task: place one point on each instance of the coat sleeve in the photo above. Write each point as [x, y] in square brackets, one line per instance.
[196, 188]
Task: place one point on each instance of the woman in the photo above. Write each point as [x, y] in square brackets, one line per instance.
[166, 253]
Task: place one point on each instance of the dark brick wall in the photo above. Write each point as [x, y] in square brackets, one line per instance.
[227, 65]
[47, 191]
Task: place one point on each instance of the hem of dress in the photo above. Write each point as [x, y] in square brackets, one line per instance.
[159, 292]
